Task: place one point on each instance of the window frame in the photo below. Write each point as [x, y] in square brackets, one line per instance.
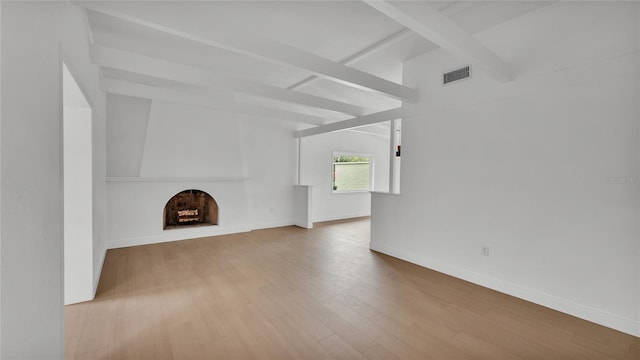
[351, 153]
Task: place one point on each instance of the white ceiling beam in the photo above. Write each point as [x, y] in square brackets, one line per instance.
[372, 129]
[438, 28]
[395, 113]
[156, 93]
[329, 116]
[369, 50]
[136, 63]
[451, 9]
[269, 50]
[358, 131]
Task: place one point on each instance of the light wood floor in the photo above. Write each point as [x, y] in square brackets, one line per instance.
[290, 293]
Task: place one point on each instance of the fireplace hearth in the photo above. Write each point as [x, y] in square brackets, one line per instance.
[190, 208]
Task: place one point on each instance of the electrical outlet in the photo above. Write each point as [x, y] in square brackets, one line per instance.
[485, 250]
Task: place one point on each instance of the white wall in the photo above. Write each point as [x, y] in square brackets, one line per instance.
[135, 210]
[303, 206]
[126, 131]
[188, 147]
[638, 112]
[99, 145]
[544, 170]
[31, 313]
[316, 163]
[269, 156]
[190, 141]
[183, 147]
[0, 182]
[78, 207]
[397, 160]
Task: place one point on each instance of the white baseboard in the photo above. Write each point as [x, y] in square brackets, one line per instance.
[272, 224]
[304, 225]
[341, 216]
[97, 271]
[604, 318]
[71, 300]
[174, 235]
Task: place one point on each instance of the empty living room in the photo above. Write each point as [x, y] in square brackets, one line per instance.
[319, 179]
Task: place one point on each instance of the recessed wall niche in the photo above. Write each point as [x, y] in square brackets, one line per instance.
[190, 208]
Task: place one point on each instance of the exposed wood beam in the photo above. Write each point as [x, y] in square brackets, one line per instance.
[136, 63]
[157, 93]
[381, 116]
[436, 27]
[269, 50]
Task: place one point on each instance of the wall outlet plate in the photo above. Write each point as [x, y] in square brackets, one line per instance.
[484, 251]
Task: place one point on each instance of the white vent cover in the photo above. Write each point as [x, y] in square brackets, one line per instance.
[456, 75]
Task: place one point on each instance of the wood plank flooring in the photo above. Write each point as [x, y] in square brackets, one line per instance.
[290, 293]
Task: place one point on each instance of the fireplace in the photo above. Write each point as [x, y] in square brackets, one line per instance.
[190, 208]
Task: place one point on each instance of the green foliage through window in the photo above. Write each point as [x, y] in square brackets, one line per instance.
[349, 158]
[351, 173]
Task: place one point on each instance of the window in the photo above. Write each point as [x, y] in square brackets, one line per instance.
[352, 172]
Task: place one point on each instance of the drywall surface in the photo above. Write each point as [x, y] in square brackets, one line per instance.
[135, 210]
[99, 146]
[269, 154]
[190, 141]
[183, 147]
[31, 313]
[0, 181]
[247, 164]
[303, 206]
[316, 163]
[78, 207]
[126, 133]
[542, 170]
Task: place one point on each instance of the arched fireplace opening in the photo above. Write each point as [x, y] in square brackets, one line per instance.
[190, 208]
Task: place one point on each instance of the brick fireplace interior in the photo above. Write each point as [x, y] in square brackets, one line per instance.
[190, 208]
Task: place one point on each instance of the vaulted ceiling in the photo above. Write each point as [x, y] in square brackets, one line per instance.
[311, 62]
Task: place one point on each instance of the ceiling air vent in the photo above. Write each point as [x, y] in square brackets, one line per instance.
[456, 75]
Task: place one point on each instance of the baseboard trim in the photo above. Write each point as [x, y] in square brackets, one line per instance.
[155, 239]
[273, 224]
[174, 236]
[97, 271]
[341, 216]
[597, 316]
